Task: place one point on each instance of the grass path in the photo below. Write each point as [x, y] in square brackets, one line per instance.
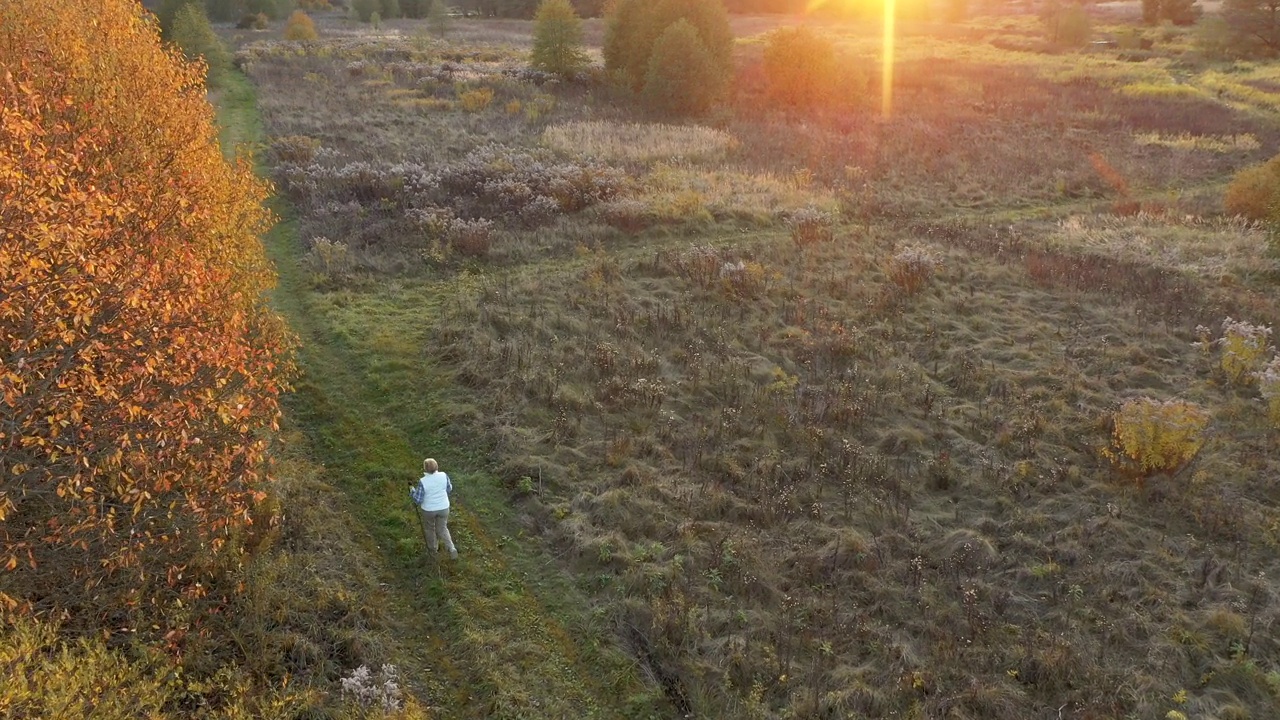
[502, 633]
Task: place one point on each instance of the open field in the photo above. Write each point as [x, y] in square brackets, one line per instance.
[810, 411]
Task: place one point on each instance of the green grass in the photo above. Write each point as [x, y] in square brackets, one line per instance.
[501, 633]
[801, 489]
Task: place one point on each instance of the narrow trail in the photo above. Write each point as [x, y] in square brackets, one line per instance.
[502, 633]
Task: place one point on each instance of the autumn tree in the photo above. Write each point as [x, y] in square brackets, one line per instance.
[1254, 26]
[557, 39]
[800, 66]
[300, 27]
[140, 365]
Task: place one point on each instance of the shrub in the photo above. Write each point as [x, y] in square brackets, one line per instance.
[120, 513]
[193, 34]
[1244, 349]
[911, 267]
[1151, 436]
[381, 692]
[800, 67]
[1213, 39]
[472, 238]
[557, 39]
[683, 77]
[476, 100]
[628, 215]
[1074, 26]
[300, 27]
[810, 226]
[1180, 12]
[253, 21]
[1067, 26]
[365, 9]
[330, 259]
[1253, 191]
[298, 149]
[1269, 385]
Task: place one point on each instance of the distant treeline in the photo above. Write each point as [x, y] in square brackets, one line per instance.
[229, 10]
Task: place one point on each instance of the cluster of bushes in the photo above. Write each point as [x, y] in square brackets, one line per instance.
[677, 55]
[495, 181]
[1253, 191]
[457, 205]
[1152, 436]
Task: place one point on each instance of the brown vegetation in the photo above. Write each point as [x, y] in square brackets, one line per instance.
[824, 429]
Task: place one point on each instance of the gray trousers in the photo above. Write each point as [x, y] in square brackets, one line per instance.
[436, 528]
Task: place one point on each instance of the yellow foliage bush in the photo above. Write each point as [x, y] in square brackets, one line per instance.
[476, 100]
[1152, 436]
[48, 677]
[1269, 384]
[1253, 190]
[300, 27]
[1244, 350]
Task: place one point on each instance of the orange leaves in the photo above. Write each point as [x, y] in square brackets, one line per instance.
[139, 363]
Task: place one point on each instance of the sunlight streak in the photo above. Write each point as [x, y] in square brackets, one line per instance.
[886, 80]
[890, 36]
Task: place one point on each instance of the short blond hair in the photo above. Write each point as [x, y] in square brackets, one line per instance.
[430, 465]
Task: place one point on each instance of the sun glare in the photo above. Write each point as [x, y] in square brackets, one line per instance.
[886, 61]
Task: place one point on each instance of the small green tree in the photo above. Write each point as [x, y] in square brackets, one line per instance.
[193, 34]
[800, 67]
[167, 13]
[364, 9]
[684, 77]
[1068, 26]
[438, 18]
[557, 39]
[634, 26]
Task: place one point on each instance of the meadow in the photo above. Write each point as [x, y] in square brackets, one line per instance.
[787, 415]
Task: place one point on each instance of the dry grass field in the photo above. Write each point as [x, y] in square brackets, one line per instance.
[813, 410]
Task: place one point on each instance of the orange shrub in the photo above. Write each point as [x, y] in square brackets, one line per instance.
[1253, 190]
[300, 27]
[800, 66]
[139, 363]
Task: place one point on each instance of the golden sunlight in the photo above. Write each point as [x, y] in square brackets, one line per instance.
[886, 73]
[890, 33]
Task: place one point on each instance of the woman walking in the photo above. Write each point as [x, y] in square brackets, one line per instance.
[434, 506]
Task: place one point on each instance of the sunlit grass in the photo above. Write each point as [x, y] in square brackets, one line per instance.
[638, 142]
[679, 193]
[1165, 91]
[1244, 142]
